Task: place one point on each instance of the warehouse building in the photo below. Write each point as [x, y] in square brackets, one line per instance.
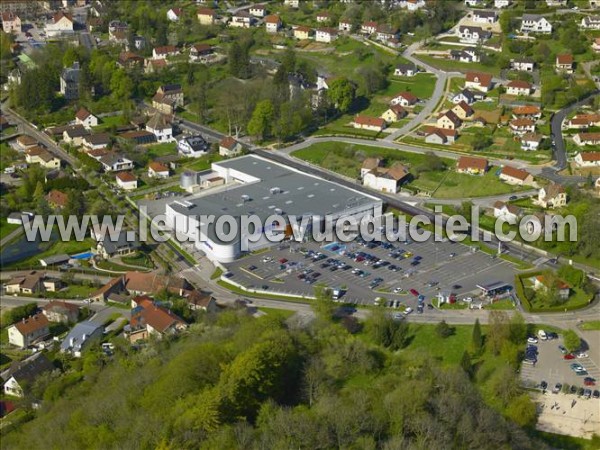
[256, 186]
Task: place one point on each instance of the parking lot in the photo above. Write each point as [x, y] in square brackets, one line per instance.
[553, 368]
[428, 268]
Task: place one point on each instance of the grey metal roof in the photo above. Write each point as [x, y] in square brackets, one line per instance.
[111, 246]
[75, 338]
[55, 259]
[277, 190]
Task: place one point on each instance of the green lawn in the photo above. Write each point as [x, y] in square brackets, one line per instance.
[48, 249]
[463, 185]
[6, 228]
[591, 325]
[138, 259]
[421, 85]
[448, 350]
[73, 291]
[164, 149]
[282, 313]
[108, 122]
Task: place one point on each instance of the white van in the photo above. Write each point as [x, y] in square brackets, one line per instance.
[542, 335]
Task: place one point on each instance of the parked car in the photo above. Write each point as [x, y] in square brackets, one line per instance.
[532, 340]
[589, 381]
[596, 393]
[569, 356]
[543, 385]
[557, 388]
[414, 292]
[408, 310]
[562, 349]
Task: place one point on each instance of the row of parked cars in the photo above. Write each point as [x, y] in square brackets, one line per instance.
[580, 391]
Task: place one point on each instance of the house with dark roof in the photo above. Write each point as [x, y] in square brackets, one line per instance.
[406, 70]
[21, 374]
[69, 82]
[110, 246]
[61, 311]
[449, 120]
[440, 136]
[96, 141]
[29, 330]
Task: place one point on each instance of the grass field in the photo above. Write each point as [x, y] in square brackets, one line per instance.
[56, 248]
[592, 325]
[464, 185]
[421, 85]
[282, 313]
[449, 350]
[108, 122]
[164, 149]
[6, 228]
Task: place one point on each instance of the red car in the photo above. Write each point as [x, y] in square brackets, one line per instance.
[414, 292]
[589, 381]
[283, 260]
[569, 356]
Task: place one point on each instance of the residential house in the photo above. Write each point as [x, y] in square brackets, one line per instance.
[552, 196]
[96, 141]
[368, 27]
[464, 96]
[149, 319]
[474, 3]
[517, 177]
[51, 284]
[531, 141]
[108, 246]
[164, 51]
[30, 283]
[480, 16]
[404, 99]
[174, 14]
[556, 3]
[535, 23]
[158, 170]
[272, 23]
[440, 136]
[258, 10]
[39, 155]
[472, 34]
[563, 290]
[368, 165]
[412, 5]
[499, 4]
[229, 147]
[138, 137]
[193, 146]
[587, 159]
[448, 120]
[69, 81]
[85, 118]
[27, 331]
[61, 23]
[386, 179]
[590, 23]
[206, 16]
[74, 135]
[527, 111]
[522, 126]
[587, 139]
[302, 33]
[22, 374]
[129, 60]
[199, 301]
[506, 211]
[522, 64]
[241, 19]
[584, 121]
[394, 114]
[385, 33]
[292, 3]
[519, 87]
[466, 55]
[61, 311]
[114, 288]
[406, 70]
[25, 141]
[325, 35]
[81, 337]
[472, 165]
[148, 283]
[345, 25]
[200, 52]
[161, 127]
[126, 181]
[477, 80]
[565, 63]
[323, 16]
[57, 199]
[463, 110]
[113, 162]
[11, 23]
[369, 123]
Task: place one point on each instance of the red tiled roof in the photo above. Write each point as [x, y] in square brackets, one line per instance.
[31, 324]
[273, 18]
[484, 79]
[519, 84]
[83, 114]
[206, 12]
[58, 198]
[515, 173]
[527, 110]
[165, 49]
[524, 122]
[158, 167]
[228, 142]
[407, 96]
[564, 59]
[469, 162]
[126, 177]
[371, 121]
[590, 156]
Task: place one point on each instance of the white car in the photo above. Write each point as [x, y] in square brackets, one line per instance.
[532, 340]
[582, 355]
[398, 290]
[266, 259]
[408, 310]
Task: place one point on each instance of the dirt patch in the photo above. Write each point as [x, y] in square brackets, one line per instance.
[489, 116]
[568, 414]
